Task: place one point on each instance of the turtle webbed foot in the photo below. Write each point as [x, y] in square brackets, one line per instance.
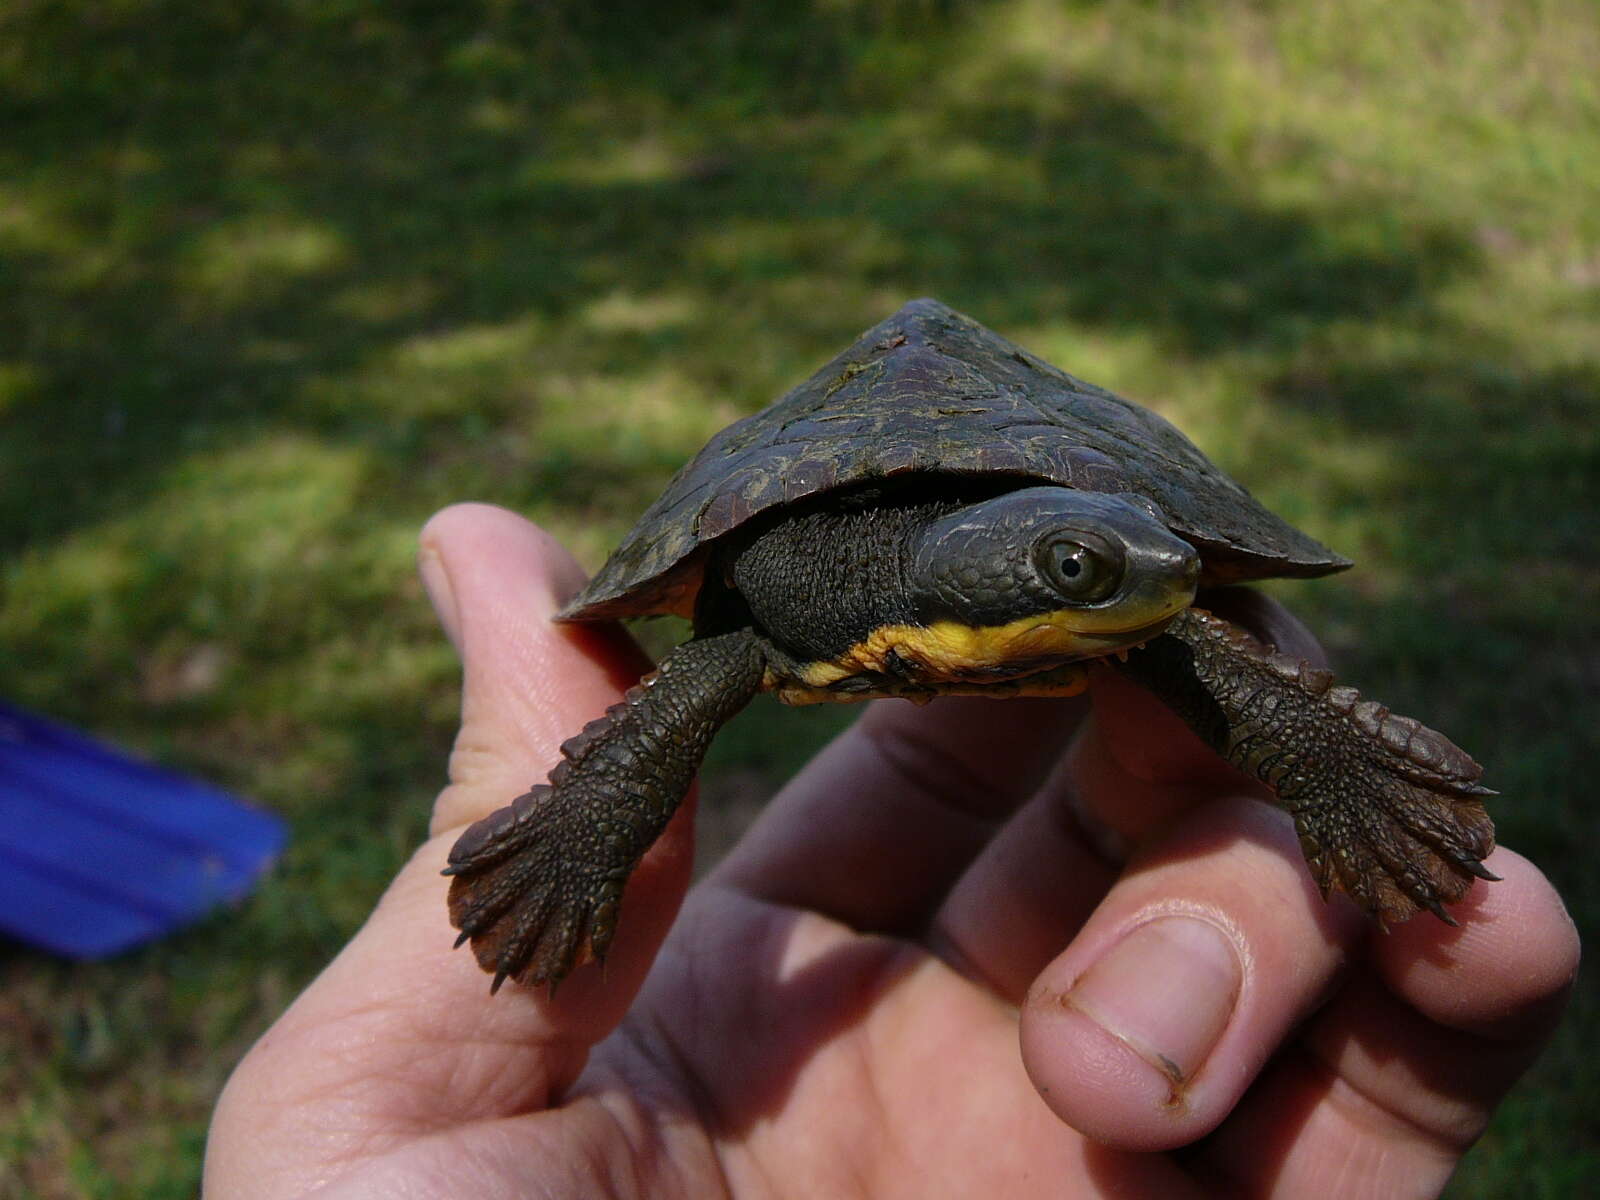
[523, 893]
[537, 884]
[1394, 815]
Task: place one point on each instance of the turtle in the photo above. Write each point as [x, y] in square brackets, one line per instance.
[937, 511]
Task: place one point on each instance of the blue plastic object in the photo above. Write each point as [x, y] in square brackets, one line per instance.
[100, 852]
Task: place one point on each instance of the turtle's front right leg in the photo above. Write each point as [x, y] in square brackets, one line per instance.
[1388, 810]
[537, 884]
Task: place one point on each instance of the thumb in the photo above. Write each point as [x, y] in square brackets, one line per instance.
[529, 684]
[398, 1037]
[496, 581]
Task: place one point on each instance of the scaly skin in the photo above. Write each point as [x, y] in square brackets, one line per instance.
[1387, 810]
[537, 884]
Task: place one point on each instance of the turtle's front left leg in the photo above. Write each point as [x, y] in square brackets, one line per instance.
[537, 884]
[1388, 810]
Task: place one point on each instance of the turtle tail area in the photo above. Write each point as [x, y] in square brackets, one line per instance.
[535, 886]
[1387, 810]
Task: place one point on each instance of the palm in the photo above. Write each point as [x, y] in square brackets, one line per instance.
[901, 1076]
[872, 1068]
[839, 1009]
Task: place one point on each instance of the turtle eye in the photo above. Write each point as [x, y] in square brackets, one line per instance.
[1082, 567]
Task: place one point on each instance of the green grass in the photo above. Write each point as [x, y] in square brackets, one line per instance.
[279, 279]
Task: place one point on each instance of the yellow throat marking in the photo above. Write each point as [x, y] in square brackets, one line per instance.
[950, 652]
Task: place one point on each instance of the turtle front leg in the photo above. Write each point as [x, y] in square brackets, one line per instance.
[537, 884]
[1387, 809]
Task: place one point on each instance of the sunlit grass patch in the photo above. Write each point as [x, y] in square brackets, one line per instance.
[238, 261]
[624, 312]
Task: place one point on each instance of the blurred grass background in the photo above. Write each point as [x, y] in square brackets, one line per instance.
[279, 279]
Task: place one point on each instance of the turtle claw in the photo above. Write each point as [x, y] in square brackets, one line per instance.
[1477, 868]
[1441, 912]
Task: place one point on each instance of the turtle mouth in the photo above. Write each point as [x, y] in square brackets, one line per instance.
[1140, 612]
[1069, 640]
[1138, 639]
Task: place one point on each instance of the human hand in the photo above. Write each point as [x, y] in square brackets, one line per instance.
[919, 974]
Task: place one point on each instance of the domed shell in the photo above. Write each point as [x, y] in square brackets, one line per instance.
[930, 390]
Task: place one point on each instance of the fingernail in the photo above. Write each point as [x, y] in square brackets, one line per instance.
[436, 580]
[1167, 990]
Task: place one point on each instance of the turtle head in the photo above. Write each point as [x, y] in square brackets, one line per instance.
[1049, 575]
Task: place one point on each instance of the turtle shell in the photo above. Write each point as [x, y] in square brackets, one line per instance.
[930, 390]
